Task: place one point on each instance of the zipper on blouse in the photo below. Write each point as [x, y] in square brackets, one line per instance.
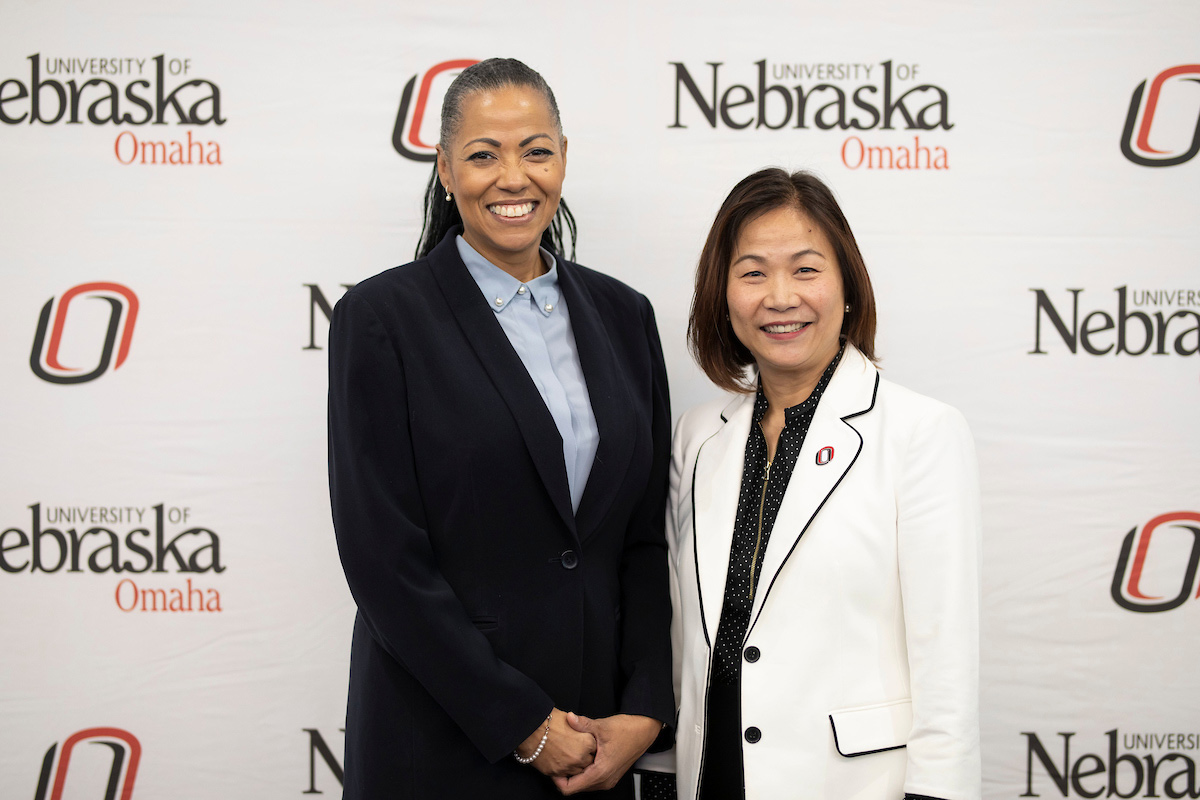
[762, 501]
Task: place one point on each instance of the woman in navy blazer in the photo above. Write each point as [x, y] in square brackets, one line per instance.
[507, 643]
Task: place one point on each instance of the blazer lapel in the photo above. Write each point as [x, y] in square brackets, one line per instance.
[851, 392]
[507, 372]
[609, 394]
[716, 483]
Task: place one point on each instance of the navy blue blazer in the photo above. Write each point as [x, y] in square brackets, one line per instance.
[483, 600]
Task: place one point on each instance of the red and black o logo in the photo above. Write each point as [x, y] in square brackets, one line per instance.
[416, 131]
[1141, 116]
[1175, 533]
[45, 359]
[126, 752]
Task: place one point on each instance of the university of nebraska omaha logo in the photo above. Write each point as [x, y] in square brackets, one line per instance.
[1178, 97]
[45, 358]
[126, 753]
[417, 120]
[1139, 577]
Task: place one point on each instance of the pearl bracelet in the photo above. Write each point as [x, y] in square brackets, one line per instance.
[541, 744]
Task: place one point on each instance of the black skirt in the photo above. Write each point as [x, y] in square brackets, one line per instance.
[721, 775]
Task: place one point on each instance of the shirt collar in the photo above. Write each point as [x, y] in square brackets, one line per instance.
[790, 414]
[500, 289]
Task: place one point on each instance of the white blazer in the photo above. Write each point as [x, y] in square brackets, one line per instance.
[866, 681]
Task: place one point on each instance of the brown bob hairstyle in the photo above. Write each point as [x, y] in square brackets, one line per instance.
[710, 334]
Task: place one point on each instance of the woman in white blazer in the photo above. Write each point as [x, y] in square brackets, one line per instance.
[824, 533]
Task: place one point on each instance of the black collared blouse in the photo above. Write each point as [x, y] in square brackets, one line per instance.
[764, 483]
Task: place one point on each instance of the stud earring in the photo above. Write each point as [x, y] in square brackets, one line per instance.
[847, 308]
[448, 194]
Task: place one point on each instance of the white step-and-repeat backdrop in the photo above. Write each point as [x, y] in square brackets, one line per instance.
[188, 187]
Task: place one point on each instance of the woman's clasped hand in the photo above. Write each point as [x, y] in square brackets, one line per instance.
[583, 754]
[621, 739]
[558, 750]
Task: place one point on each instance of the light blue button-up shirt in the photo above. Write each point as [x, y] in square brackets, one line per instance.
[535, 318]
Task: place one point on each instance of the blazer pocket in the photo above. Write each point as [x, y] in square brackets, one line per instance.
[863, 730]
[485, 623]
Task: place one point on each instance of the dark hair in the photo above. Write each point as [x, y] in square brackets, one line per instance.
[710, 335]
[440, 215]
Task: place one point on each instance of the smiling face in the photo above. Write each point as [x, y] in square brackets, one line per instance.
[786, 301]
[505, 168]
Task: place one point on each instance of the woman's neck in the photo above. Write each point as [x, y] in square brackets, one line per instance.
[524, 266]
[787, 389]
[524, 269]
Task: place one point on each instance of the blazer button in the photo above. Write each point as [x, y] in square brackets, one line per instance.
[753, 654]
[569, 559]
[753, 734]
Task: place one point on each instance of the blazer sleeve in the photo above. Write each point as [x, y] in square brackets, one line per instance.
[378, 516]
[645, 598]
[938, 545]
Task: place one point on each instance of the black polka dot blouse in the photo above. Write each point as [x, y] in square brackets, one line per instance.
[761, 495]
